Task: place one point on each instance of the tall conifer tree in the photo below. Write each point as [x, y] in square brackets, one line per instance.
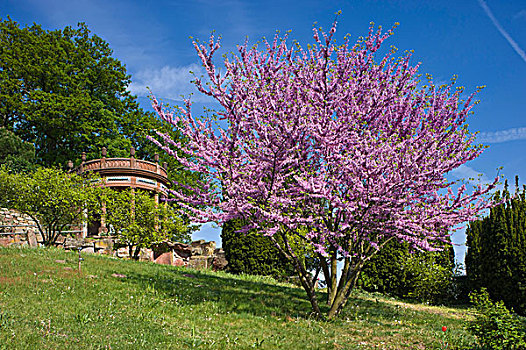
[496, 256]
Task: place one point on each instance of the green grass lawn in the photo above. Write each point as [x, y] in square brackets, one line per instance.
[114, 304]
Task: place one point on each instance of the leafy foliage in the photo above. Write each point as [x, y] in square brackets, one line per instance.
[252, 254]
[64, 92]
[496, 254]
[423, 276]
[494, 326]
[51, 197]
[327, 146]
[139, 221]
[16, 154]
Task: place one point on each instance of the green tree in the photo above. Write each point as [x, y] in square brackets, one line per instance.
[424, 276]
[251, 253]
[64, 92]
[139, 221]
[51, 197]
[16, 154]
[496, 254]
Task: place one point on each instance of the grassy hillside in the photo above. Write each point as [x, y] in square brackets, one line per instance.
[114, 304]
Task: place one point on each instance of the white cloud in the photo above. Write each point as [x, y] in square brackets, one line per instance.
[169, 82]
[501, 30]
[475, 178]
[470, 175]
[502, 135]
[520, 15]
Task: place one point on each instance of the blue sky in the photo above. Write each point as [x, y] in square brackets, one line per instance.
[481, 41]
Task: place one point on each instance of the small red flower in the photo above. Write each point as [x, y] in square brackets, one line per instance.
[444, 328]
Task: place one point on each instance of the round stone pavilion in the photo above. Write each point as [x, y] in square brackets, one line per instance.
[122, 173]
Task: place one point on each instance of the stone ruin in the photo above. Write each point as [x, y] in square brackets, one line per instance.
[197, 255]
[18, 229]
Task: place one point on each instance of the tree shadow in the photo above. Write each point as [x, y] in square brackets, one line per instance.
[228, 292]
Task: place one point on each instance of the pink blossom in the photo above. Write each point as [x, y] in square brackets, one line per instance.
[328, 147]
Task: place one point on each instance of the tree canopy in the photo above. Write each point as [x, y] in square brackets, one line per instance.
[329, 146]
[54, 199]
[139, 221]
[16, 154]
[64, 92]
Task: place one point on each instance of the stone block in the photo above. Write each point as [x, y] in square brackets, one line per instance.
[32, 239]
[183, 251]
[146, 254]
[5, 241]
[60, 240]
[179, 262]
[219, 263]
[72, 243]
[88, 249]
[197, 250]
[164, 259]
[122, 252]
[208, 248]
[198, 243]
[198, 262]
[104, 244]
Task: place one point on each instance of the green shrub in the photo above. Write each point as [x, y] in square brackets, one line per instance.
[422, 276]
[426, 279]
[494, 326]
[251, 253]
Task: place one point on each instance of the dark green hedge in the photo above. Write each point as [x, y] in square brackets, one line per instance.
[496, 254]
[252, 253]
[423, 276]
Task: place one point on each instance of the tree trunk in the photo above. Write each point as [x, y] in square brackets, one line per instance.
[332, 282]
[304, 276]
[346, 286]
[136, 253]
[311, 293]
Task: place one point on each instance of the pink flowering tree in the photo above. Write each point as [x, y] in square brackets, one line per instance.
[328, 152]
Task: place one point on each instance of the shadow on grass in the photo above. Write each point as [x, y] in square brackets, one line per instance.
[226, 293]
[229, 294]
[234, 294]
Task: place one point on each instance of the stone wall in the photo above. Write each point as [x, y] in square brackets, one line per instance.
[20, 230]
[17, 229]
[197, 255]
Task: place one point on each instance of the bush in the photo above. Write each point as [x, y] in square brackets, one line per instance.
[422, 276]
[139, 221]
[251, 253]
[494, 326]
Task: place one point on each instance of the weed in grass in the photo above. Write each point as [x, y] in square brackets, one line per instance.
[193, 342]
[257, 343]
